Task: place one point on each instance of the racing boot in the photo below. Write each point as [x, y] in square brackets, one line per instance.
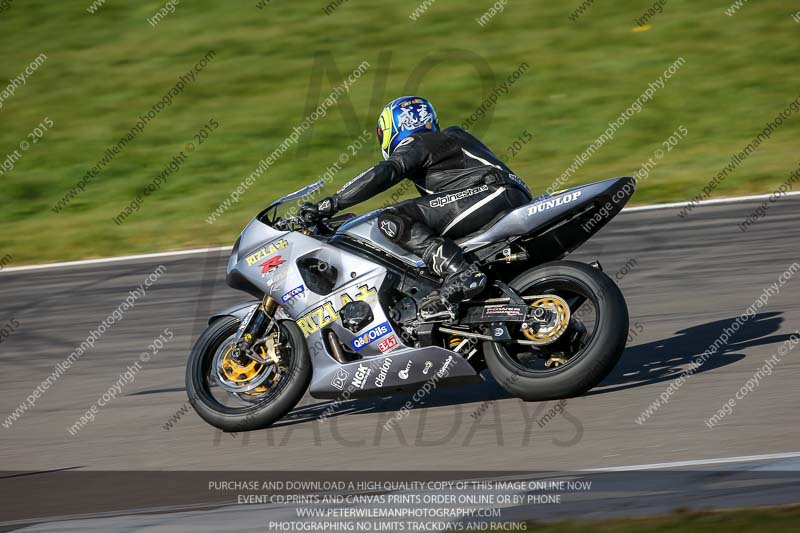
[462, 280]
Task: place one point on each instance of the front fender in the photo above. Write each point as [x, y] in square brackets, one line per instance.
[240, 310]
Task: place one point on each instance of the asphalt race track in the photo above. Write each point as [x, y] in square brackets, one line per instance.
[685, 281]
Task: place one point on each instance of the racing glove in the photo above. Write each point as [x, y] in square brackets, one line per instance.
[311, 212]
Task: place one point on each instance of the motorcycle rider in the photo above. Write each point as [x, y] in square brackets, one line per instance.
[464, 188]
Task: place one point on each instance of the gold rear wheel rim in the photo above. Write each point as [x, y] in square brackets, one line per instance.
[550, 333]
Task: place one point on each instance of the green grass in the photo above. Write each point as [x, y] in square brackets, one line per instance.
[274, 64]
[757, 520]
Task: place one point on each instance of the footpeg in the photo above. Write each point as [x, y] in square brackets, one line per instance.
[436, 306]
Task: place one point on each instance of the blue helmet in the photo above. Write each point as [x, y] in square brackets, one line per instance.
[402, 117]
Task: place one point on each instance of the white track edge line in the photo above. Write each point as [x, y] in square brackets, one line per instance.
[718, 201]
[699, 462]
[115, 259]
[67, 264]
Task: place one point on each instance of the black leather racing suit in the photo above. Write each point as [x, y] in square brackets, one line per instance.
[464, 188]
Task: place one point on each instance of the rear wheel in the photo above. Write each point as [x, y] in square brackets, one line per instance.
[579, 345]
[242, 395]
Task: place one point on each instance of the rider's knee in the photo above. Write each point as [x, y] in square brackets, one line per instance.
[394, 225]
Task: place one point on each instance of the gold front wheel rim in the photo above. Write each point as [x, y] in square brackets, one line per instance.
[238, 373]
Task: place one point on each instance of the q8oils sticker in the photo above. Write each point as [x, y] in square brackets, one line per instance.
[327, 313]
[370, 336]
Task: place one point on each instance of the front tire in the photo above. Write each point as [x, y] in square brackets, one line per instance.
[592, 362]
[261, 412]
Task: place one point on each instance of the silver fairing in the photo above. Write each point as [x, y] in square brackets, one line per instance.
[547, 209]
[365, 229]
[268, 259]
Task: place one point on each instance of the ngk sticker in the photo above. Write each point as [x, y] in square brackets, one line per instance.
[361, 376]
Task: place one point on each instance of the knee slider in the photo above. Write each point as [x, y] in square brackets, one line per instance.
[394, 226]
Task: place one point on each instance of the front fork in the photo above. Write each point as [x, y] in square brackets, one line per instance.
[258, 322]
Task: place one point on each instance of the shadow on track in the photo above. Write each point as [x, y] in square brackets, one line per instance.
[665, 359]
[643, 364]
[487, 391]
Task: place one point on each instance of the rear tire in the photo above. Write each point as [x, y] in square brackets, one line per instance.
[594, 361]
[260, 414]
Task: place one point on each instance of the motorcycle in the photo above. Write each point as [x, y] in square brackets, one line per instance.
[337, 311]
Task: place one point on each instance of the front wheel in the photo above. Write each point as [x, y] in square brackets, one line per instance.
[243, 395]
[581, 345]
